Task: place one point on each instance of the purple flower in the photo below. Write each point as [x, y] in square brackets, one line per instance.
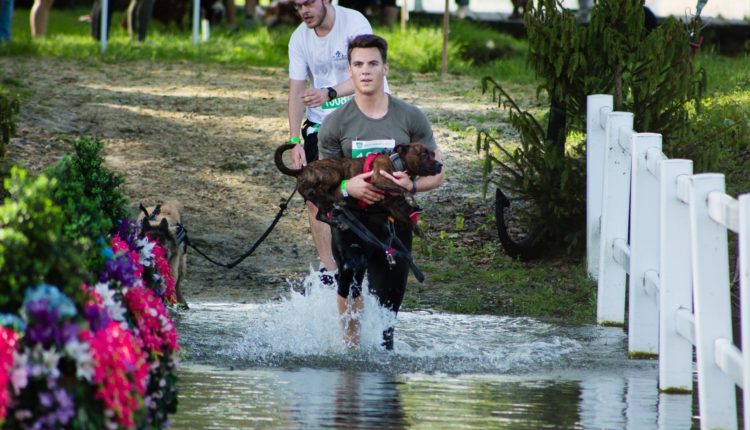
[97, 316]
[42, 322]
[128, 232]
[120, 269]
[67, 332]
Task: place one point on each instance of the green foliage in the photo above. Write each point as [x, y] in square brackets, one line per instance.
[650, 74]
[9, 108]
[720, 140]
[88, 194]
[33, 248]
[553, 181]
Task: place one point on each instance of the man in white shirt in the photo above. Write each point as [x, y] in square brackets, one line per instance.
[318, 53]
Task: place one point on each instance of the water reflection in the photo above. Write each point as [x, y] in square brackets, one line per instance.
[213, 398]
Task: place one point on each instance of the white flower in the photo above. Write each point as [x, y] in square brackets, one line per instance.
[81, 353]
[113, 306]
[18, 376]
[145, 251]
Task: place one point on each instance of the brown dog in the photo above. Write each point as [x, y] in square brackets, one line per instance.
[320, 180]
[164, 224]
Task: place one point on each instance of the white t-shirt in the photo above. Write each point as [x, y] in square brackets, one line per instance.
[324, 59]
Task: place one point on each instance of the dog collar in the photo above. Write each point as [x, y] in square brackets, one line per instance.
[398, 163]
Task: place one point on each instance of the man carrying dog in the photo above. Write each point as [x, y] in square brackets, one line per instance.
[317, 50]
[373, 121]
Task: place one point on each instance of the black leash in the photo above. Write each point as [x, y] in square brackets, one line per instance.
[365, 234]
[238, 260]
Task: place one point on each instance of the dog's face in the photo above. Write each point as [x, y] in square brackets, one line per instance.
[419, 160]
[161, 225]
[160, 232]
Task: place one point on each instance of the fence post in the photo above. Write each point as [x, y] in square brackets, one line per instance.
[744, 271]
[643, 315]
[713, 313]
[610, 304]
[676, 283]
[597, 108]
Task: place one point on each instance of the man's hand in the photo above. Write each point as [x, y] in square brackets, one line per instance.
[359, 188]
[401, 179]
[313, 97]
[298, 156]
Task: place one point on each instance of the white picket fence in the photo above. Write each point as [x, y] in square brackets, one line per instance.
[653, 222]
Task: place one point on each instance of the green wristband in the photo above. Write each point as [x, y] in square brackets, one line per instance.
[295, 140]
[343, 189]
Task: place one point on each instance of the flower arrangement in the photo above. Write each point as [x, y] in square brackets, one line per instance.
[108, 361]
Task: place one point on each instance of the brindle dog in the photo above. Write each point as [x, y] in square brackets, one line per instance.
[320, 180]
[163, 223]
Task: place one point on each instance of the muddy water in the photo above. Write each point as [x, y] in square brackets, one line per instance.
[282, 365]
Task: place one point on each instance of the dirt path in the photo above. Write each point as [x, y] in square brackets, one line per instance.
[205, 135]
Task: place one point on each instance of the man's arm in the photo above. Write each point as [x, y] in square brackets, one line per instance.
[296, 110]
[314, 97]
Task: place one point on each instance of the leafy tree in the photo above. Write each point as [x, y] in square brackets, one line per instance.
[649, 72]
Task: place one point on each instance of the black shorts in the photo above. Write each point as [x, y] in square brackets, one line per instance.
[310, 137]
[355, 258]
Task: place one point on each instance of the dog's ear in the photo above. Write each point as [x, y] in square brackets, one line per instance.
[401, 148]
[145, 226]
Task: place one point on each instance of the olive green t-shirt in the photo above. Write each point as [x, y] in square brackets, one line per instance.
[349, 133]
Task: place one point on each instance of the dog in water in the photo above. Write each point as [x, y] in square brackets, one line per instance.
[320, 180]
[163, 223]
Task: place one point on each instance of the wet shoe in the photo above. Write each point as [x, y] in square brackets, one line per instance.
[326, 277]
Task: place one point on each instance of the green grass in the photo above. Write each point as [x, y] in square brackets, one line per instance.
[474, 50]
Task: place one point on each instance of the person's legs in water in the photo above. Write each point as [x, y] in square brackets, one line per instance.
[350, 258]
[388, 283]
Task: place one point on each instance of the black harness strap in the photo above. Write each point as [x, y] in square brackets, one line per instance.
[346, 217]
[238, 260]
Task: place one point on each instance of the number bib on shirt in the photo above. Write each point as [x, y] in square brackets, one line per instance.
[361, 148]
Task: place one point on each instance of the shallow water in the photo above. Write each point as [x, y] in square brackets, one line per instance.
[283, 365]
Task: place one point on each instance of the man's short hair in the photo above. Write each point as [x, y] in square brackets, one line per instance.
[368, 41]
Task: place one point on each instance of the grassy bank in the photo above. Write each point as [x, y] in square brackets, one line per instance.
[468, 271]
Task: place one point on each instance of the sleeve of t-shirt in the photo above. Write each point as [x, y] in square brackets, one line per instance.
[420, 129]
[328, 139]
[297, 61]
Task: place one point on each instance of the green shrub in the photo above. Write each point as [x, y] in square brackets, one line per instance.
[90, 198]
[33, 249]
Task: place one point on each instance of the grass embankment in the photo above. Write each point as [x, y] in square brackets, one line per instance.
[466, 275]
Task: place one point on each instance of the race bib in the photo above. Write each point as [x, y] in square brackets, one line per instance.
[362, 148]
[335, 103]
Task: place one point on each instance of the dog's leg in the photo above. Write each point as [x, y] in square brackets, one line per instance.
[178, 272]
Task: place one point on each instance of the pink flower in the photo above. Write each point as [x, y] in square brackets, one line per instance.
[120, 247]
[155, 328]
[8, 339]
[120, 369]
[162, 267]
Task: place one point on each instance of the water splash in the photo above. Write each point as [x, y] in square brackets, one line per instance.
[303, 329]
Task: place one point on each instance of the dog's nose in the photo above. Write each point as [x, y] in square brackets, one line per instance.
[438, 167]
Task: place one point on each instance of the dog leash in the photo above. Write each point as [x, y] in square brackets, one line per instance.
[351, 221]
[238, 260]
